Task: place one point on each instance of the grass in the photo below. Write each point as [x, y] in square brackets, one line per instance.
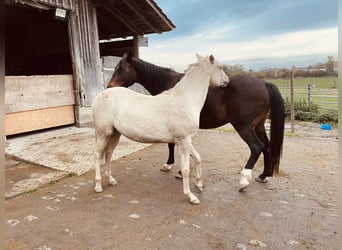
[324, 93]
[290, 134]
[328, 82]
[32, 190]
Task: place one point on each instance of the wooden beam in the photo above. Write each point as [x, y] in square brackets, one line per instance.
[124, 20]
[136, 46]
[153, 6]
[115, 48]
[138, 13]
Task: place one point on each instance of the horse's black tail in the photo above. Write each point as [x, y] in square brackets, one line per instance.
[277, 117]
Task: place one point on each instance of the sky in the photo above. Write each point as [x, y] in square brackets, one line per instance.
[253, 33]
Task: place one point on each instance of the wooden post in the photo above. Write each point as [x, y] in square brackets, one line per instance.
[292, 100]
[136, 46]
[310, 87]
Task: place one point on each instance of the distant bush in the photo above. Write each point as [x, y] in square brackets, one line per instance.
[326, 116]
[305, 111]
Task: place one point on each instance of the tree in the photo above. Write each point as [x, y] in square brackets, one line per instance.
[237, 68]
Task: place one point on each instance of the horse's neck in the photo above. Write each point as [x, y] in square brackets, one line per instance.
[154, 78]
[194, 87]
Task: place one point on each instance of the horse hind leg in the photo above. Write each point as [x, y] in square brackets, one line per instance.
[197, 159]
[111, 145]
[256, 146]
[260, 130]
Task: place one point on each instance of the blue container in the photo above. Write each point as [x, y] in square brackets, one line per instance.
[326, 126]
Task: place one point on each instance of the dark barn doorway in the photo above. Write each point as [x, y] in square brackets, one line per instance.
[35, 42]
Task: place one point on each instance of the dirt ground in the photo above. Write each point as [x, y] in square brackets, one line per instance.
[147, 209]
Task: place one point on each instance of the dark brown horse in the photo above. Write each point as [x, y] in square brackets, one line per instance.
[245, 103]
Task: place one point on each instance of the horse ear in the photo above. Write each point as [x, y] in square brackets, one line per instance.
[124, 57]
[211, 59]
[129, 56]
[199, 57]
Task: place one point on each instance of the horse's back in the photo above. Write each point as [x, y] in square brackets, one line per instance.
[140, 117]
[248, 86]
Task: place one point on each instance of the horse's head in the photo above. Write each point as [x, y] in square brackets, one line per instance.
[124, 74]
[217, 77]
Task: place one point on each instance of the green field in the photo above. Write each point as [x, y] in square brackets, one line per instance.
[319, 82]
[324, 92]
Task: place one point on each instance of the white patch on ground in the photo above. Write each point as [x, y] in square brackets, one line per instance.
[182, 222]
[134, 216]
[30, 217]
[133, 202]
[257, 243]
[266, 214]
[52, 208]
[12, 223]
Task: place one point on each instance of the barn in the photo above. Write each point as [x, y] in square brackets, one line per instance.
[55, 52]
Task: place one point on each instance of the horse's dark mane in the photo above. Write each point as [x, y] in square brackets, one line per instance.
[155, 76]
[153, 68]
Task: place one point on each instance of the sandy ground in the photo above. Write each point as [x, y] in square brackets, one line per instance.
[147, 209]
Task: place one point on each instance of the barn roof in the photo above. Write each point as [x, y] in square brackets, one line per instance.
[118, 18]
[122, 18]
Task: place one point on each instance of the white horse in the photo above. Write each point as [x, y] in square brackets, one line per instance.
[170, 117]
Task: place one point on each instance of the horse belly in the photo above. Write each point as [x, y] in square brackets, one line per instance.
[148, 132]
[143, 126]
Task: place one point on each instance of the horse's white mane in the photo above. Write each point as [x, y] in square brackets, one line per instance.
[192, 65]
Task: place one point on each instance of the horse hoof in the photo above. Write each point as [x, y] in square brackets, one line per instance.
[113, 182]
[259, 179]
[243, 188]
[199, 187]
[98, 189]
[195, 201]
[179, 176]
[166, 167]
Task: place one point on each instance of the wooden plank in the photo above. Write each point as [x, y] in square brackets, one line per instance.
[24, 93]
[85, 52]
[26, 121]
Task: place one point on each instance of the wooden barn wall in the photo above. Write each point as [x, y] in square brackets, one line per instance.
[25, 93]
[38, 102]
[84, 46]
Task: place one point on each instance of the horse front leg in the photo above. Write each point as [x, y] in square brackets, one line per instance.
[197, 159]
[171, 160]
[184, 156]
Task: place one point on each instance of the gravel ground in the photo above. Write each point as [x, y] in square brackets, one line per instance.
[147, 209]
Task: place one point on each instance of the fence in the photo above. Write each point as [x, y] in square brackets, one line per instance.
[324, 98]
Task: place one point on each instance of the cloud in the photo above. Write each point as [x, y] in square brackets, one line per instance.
[252, 18]
[179, 52]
